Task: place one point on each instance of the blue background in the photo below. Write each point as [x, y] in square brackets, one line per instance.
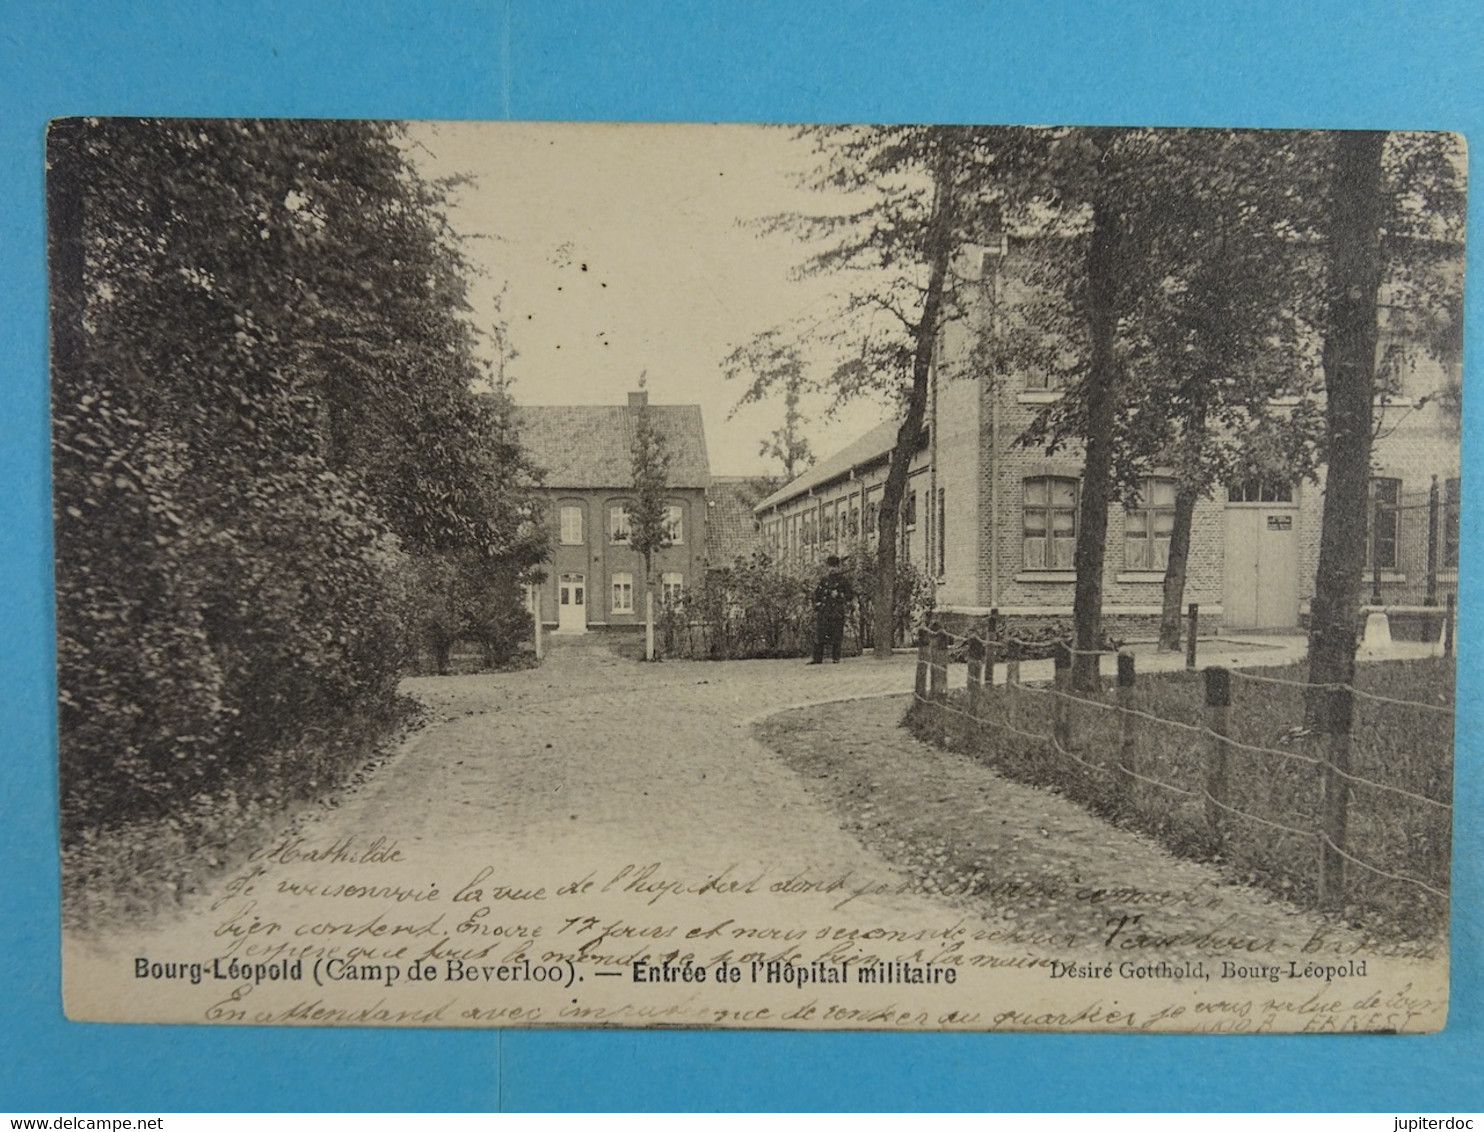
[1327, 64]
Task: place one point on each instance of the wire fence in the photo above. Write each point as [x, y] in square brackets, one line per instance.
[1338, 795]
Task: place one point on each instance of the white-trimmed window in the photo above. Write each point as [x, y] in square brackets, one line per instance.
[1049, 525]
[571, 525]
[1260, 490]
[618, 522]
[675, 523]
[1148, 525]
[672, 588]
[623, 593]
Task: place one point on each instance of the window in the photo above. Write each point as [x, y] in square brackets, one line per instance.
[1044, 379]
[1381, 547]
[672, 587]
[873, 519]
[571, 526]
[1257, 490]
[623, 593]
[942, 542]
[827, 526]
[675, 523]
[618, 522]
[1050, 523]
[1147, 526]
[855, 521]
[1450, 524]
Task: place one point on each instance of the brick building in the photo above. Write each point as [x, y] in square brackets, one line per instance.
[995, 524]
[595, 577]
[832, 507]
[731, 529]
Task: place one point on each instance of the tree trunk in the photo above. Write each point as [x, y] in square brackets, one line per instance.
[1349, 383]
[1097, 473]
[1170, 620]
[925, 334]
[1189, 484]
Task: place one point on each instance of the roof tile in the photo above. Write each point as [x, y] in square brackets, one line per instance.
[590, 446]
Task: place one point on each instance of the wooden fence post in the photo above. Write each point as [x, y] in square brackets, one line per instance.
[938, 667]
[1335, 804]
[976, 675]
[1061, 718]
[1194, 617]
[1127, 728]
[938, 683]
[1218, 700]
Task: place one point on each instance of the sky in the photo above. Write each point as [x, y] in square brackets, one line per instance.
[611, 251]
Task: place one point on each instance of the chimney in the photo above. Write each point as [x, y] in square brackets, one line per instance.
[639, 400]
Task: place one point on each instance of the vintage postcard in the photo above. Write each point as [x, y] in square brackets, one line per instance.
[848, 577]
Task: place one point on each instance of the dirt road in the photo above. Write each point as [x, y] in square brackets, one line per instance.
[597, 810]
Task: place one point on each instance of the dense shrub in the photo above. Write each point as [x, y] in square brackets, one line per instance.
[914, 598]
[263, 417]
[752, 608]
[757, 607]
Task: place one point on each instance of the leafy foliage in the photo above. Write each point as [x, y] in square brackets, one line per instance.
[916, 194]
[262, 403]
[649, 530]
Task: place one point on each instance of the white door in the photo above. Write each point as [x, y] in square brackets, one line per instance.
[572, 604]
[1261, 575]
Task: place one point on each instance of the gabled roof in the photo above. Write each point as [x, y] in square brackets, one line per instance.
[731, 531]
[590, 446]
[875, 446]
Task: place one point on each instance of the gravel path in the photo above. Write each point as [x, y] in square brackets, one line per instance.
[602, 810]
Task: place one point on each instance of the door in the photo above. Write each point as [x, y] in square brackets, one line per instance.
[572, 603]
[1261, 573]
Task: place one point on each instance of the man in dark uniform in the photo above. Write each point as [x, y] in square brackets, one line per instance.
[832, 597]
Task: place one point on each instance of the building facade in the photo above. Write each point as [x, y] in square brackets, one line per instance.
[994, 523]
[595, 578]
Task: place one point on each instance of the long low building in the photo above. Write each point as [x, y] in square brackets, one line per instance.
[994, 523]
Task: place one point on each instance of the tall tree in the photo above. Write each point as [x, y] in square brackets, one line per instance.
[263, 399]
[1356, 211]
[772, 363]
[1224, 330]
[1100, 196]
[649, 526]
[1394, 232]
[1171, 305]
[916, 194]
